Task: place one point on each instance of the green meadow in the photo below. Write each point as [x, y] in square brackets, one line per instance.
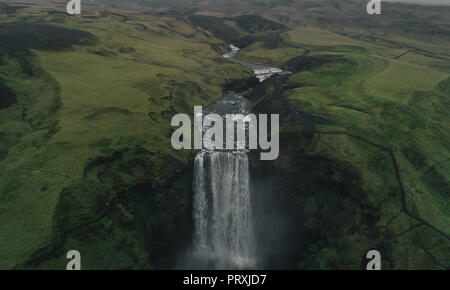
[373, 112]
[116, 93]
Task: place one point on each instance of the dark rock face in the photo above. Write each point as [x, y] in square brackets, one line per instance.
[240, 85]
[20, 37]
[256, 23]
[269, 99]
[7, 97]
[253, 24]
[216, 26]
[124, 214]
[303, 202]
[308, 63]
[309, 130]
[156, 213]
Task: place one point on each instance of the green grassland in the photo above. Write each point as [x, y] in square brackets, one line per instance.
[112, 94]
[86, 163]
[373, 112]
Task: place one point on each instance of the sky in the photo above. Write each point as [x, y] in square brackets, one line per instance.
[428, 2]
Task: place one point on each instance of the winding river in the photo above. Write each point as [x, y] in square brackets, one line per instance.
[222, 203]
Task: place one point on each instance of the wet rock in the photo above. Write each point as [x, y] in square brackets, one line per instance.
[240, 85]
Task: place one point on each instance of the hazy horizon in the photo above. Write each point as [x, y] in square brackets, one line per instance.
[423, 2]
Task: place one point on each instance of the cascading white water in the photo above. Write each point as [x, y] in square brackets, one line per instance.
[262, 73]
[222, 205]
[223, 236]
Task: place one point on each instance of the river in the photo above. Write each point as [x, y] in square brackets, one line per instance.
[222, 202]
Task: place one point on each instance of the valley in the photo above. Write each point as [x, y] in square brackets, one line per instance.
[86, 101]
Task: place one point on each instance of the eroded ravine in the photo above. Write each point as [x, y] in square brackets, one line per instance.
[222, 203]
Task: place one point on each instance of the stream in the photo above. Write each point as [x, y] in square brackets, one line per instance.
[222, 202]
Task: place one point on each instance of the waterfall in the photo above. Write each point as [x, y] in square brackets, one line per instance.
[223, 234]
[222, 205]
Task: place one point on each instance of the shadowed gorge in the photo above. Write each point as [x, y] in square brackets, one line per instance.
[7, 97]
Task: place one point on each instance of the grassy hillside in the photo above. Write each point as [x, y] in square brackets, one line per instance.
[382, 126]
[85, 108]
[94, 98]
